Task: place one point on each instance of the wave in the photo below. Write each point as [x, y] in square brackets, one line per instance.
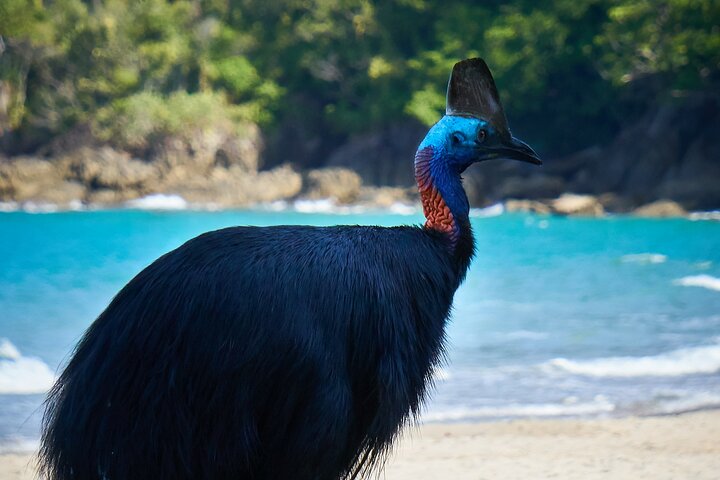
[330, 205]
[683, 361]
[682, 402]
[400, 208]
[570, 408]
[525, 335]
[491, 211]
[644, 258]
[704, 281]
[19, 445]
[325, 205]
[711, 215]
[158, 201]
[9, 207]
[22, 375]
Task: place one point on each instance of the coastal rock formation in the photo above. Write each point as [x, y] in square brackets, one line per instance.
[387, 197]
[107, 169]
[382, 157]
[533, 206]
[660, 208]
[32, 179]
[580, 205]
[233, 187]
[210, 167]
[671, 152]
[342, 184]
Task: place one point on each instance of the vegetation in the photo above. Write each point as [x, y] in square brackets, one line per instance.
[569, 70]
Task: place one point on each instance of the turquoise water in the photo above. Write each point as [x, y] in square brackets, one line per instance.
[557, 317]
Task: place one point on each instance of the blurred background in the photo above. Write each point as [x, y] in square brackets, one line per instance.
[239, 102]
[127, 128]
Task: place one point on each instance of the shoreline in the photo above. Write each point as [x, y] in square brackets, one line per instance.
[653, 447]
[176, 203]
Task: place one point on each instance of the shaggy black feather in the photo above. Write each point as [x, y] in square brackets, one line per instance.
[261, 353]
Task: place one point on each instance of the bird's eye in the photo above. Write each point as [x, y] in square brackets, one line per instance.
[456, 138]
[481, 135]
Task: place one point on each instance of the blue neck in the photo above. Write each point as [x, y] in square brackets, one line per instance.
[447, 180]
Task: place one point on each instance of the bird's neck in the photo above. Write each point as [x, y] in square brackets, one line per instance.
[443, 198]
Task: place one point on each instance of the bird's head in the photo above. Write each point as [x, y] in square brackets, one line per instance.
[474, 127]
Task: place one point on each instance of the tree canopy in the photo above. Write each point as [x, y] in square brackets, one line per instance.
[568, 71]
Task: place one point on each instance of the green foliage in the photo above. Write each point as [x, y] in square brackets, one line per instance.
[565, 68]
[674, 37]
[135, 122]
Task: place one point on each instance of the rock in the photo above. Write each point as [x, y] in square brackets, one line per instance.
[106, 168]
[242, 151]
[660, 208]
[484, 183]
[534, 186]
[386, 197]
[670, 152]
[29, 179]
[580, 205]
[533, 206]
[695, 181]
[277, 184]
[205, 149]
[63, 194]
[24, 178]
[235, 188]
[342, 184]
[614, 203]
[383, 157]
[106, 196]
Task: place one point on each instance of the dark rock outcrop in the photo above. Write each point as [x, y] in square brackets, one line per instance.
[673, 152]
[383, 157]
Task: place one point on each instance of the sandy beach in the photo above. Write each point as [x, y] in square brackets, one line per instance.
[673, 447]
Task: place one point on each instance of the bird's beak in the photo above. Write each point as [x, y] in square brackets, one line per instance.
[513, 149]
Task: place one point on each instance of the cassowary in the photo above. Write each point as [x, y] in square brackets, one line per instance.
[288, 352]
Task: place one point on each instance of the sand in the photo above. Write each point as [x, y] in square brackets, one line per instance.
[674, 447]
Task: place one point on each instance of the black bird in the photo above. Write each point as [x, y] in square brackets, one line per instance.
[288, 352]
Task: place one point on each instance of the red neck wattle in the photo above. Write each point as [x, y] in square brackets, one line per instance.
[437, 213]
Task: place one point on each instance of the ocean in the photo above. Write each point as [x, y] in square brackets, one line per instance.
[558, 317]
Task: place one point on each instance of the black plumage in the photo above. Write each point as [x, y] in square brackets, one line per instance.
[281, 352]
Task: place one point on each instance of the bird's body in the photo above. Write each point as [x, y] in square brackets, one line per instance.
[273, 353]
[229, 352]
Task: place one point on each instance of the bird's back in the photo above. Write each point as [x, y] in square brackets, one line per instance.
[278, 352]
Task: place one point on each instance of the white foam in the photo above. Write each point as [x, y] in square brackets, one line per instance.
[711, 215]
[158, 201]
[644, 258]
[22, 375]
[19, 445]
[687, 403]
[525, 335]
[599, 405]
[400, 208]
[491, 211]
[276, 206]
[8, 351]
[704, 281]
[684, 361]
[325, 205]
[40, 207]
[9, 206]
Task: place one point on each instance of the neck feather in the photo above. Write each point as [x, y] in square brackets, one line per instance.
[443, 198]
